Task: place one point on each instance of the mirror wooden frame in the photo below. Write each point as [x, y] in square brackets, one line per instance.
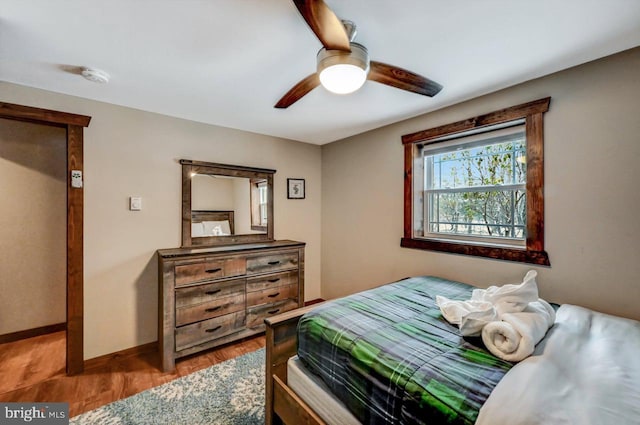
[189, 168]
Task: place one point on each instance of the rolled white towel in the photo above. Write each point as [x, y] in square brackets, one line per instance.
[471, 316]
[488, 305]
[514, 337]
[510, 298]
[473, 323]
[454, 310]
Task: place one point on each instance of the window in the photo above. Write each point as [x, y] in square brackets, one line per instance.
[475, 187]
[262, 203]
[259, 204]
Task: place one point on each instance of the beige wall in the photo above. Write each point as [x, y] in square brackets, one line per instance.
[135, 153]
[592, 173]
[203, 189]
[33, 226]
[242, 200]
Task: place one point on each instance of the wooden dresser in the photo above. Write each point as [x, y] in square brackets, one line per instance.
[212, 296]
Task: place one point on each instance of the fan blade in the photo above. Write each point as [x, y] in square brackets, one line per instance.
[298, 91]
[324, 23]
[402, 79]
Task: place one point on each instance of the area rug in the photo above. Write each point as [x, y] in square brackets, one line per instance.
[229, 393]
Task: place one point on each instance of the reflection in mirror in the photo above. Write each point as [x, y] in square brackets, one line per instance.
[225, 204]
[243, 198]
[259, 203]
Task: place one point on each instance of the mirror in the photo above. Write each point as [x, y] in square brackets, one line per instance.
[225, 204]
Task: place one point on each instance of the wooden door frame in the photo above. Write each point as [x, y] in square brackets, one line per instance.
[74, 125]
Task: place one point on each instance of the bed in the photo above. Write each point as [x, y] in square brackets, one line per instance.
[396, 360]
[206, 223]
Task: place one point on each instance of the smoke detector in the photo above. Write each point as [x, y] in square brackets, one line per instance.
[95, 75]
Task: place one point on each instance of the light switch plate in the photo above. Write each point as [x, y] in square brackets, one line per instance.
[76, 178]
[135, 203]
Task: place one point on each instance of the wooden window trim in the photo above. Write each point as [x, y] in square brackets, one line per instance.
[534, 252]
[254, 202]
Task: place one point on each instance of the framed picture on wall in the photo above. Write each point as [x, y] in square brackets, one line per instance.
[295, 188]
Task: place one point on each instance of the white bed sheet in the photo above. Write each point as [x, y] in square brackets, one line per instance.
[315, 393]
[586, 371]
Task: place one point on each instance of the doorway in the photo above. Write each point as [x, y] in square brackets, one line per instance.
[74, 128]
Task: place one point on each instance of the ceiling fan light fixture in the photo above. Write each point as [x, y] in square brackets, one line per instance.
[343, 65]
[343, 78]
[343, 72]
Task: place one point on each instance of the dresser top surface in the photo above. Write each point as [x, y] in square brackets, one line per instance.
[180, 252]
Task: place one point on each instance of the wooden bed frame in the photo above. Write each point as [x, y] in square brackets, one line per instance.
[199, 216]
[282, 404]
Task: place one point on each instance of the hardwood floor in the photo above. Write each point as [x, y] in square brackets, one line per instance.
[34, 370]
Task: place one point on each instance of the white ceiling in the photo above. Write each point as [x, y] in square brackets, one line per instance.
[227, 62]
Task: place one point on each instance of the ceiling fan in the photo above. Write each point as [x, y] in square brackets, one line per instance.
[343, 65]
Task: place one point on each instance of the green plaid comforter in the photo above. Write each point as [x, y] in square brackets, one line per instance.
[390, 356]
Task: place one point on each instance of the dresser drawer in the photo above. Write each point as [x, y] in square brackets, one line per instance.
[207, 292]
[272, 263]
[208, 310]
[271, 295]
[256, 315]
[201, 332]
[210, 268]
[269, 281]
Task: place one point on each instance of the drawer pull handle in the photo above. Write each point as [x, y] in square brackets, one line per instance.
[273, 295]
[213, 329]
[215, 291]
[273, 263]
[212, 309]
[273, 311]
[216, 270]
[274, 280]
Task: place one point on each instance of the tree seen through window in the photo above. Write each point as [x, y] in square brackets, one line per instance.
[479, 190]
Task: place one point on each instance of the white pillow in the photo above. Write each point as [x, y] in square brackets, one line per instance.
[197, 230]
[216, 228]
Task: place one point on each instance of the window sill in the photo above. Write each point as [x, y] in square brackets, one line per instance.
[489, 251]
[475, 240]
